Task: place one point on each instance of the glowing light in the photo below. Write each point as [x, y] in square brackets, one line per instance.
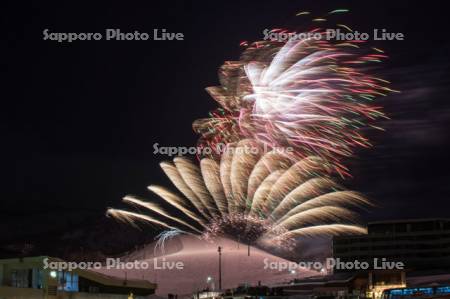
[314, 95]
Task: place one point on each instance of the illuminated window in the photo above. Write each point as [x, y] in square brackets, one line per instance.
[19, 278]
[443, 290]
[67, 281]
[36, 278]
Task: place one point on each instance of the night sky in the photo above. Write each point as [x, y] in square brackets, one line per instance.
[82, 117]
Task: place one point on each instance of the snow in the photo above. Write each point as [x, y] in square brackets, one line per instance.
[200, 260]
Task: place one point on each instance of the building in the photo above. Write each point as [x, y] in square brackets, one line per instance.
[420, 244]
[27, 278]
[254, 292]
[206, 294]
[339, 285]
[346, 285]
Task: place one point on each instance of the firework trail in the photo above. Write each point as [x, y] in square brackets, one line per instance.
[267, 198]
[312, 94]
[290, 111]
[161, 239]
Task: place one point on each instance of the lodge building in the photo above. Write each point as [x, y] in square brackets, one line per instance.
[27, 278]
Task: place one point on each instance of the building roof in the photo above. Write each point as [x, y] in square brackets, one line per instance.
[115, 281]
[322, 280]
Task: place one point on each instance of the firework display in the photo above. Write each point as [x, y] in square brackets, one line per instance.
[260, 198]
[310, 93]
[290, 111]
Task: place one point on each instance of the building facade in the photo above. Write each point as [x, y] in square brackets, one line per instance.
[420, 244]
[27, 278]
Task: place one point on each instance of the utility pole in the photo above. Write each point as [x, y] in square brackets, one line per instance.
[219, 249]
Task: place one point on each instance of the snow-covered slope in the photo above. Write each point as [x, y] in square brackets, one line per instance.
[200, 260]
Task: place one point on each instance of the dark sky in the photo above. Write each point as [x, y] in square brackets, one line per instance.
[82, 117]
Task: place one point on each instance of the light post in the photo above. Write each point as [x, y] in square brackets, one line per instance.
[219, 250]
[293, 272]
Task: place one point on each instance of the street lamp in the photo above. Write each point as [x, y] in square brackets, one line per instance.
[293, 272]
[219, 250]
[210, 283]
